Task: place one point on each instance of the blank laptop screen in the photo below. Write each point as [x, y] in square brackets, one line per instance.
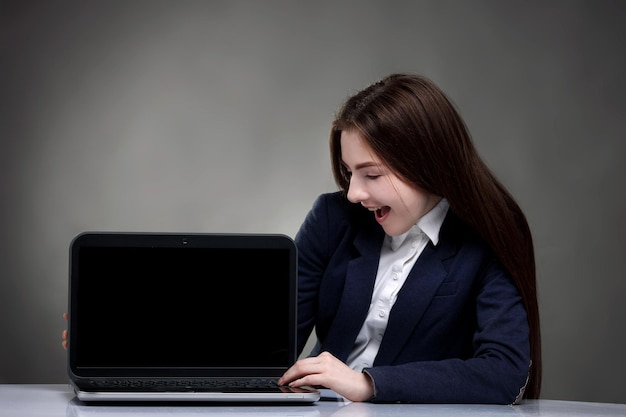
[182, 307]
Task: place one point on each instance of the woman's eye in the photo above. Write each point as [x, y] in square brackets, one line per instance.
[372, 176]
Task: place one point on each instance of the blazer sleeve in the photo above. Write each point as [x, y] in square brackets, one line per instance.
[312, 260]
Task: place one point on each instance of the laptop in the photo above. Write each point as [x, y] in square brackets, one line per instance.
[182, 317]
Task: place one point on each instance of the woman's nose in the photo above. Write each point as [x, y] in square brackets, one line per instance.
[356, 193]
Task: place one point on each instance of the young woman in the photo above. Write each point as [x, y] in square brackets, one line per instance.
[418, 276]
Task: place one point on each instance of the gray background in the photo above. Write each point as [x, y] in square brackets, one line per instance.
[213, 116]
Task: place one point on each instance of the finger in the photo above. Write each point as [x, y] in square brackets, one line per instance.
[64, 335]
[299, 369]
[313, 380]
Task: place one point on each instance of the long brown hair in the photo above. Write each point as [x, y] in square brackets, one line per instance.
[416, 130]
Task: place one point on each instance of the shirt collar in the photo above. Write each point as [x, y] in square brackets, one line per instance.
[429, 224]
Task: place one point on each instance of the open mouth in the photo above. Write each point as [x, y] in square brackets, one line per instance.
[380, 212]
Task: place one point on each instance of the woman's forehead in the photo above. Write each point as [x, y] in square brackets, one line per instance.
[355, 151]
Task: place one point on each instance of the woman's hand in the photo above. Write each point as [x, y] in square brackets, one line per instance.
[64, 334]
[327, 371]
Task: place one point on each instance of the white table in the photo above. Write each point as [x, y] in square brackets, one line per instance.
[58, 400]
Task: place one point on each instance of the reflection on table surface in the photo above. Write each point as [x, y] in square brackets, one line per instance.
[333, 405]
[58, 401]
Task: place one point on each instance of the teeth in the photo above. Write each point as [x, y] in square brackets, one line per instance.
[374, 208]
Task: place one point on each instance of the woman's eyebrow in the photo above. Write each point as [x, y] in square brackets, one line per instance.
[367, 165]
[362, 165]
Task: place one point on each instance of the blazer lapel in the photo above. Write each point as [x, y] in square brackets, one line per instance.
[413, 299]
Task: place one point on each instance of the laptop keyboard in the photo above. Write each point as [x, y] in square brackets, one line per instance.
[218, 385]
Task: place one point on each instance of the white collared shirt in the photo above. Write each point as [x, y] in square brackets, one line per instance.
[397, 257]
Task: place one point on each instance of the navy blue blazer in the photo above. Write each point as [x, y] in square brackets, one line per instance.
[458, 331]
